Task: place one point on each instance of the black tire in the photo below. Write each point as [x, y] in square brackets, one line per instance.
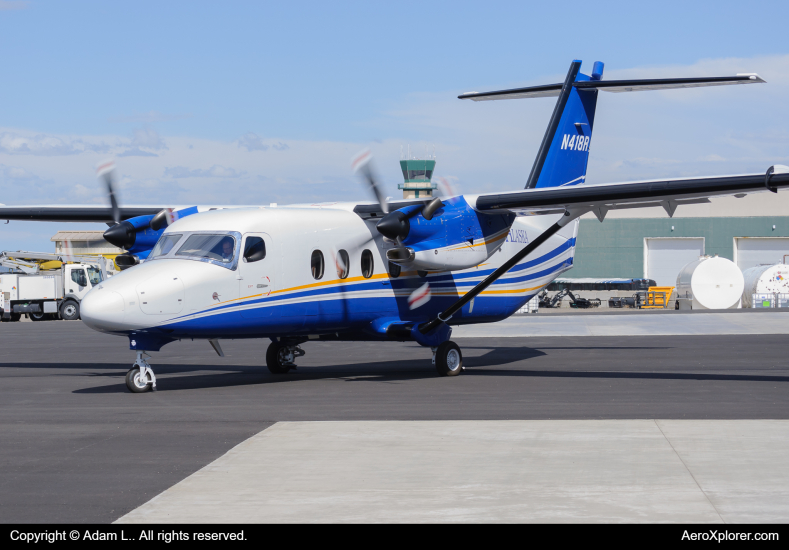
[69, 310]
[15, 317]
[274, 358]
[449, 360]
[133, 381]
[37, 316]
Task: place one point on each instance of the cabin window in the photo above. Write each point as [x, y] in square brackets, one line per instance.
[367, 264]
[343, 264]
[164, 245]
[254, 249]
[316, 264]
[394, 270]
[218, 248]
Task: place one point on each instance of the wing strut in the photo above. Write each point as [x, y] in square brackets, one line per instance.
[446, 315]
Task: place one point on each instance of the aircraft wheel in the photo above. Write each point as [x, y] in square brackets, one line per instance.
[134, 383]
[279, 358]
[449, 360]
[69, 310]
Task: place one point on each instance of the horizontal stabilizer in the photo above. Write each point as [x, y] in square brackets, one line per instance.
[616, 86]
[642, 194]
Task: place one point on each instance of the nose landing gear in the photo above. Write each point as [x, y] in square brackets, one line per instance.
[140, 377]
[280, 357]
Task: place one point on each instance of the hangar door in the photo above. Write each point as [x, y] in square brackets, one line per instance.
[753, 251]
[664, 258]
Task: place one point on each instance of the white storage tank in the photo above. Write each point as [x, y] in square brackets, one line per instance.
[710, 283]
[767, 281]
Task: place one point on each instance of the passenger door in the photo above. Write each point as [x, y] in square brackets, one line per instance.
[257, 274]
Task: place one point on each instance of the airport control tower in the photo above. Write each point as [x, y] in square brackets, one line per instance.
[417, 174]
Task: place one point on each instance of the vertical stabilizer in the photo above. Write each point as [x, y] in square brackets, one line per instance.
[564, 152]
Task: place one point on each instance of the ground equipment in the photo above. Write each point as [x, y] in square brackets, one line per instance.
[766, 286]
[44, 286]
[710, 283]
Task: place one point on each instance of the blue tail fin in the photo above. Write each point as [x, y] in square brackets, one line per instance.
[564, 152]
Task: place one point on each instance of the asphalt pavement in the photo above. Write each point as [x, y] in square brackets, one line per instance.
[77, 447]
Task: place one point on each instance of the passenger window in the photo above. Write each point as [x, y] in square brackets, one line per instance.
[367, 264]
[343, 264]
[316, 264]
[78, 276]
[394, 270]
[254, 249]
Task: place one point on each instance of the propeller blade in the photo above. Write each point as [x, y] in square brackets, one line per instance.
[106, 171]
[445, 188]
[419, 297]
[362, 165]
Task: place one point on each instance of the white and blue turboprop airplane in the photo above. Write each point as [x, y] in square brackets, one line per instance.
[403, 271]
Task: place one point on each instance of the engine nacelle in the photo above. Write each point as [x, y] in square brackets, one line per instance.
[136, 235]
[456, 237]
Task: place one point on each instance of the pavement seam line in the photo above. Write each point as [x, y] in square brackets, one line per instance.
[688, 469]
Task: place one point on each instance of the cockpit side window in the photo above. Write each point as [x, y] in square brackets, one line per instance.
[164, 245]
[254, 249]
[219, 248]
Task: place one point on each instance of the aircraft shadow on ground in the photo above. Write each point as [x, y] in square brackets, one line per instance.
[192, 377]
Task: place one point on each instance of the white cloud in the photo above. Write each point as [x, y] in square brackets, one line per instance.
[45, 145]
[215, 171]
[136, 152]
[16, 173]
[7, 5]
[149, 138]
[149, 118]
[252, 142]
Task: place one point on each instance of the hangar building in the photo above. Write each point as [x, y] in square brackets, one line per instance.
[646, 243]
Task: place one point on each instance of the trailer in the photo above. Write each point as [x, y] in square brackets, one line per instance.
[46, 286]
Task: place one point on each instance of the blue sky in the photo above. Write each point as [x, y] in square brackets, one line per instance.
[237, 102]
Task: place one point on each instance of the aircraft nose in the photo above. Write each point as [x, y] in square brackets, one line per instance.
[102, 309]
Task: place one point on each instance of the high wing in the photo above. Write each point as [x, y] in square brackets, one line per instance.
[100, 214]
[617, 86]
[640, 194]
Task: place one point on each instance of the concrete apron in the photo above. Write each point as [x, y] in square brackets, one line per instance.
[629, 325]
[491, 471]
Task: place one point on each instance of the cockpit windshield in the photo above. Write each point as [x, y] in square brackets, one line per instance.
[164, 245]
[94, 275]
[217, 248]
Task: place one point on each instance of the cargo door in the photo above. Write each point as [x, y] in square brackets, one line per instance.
[665, 257]
[257, 275]
[754, 251]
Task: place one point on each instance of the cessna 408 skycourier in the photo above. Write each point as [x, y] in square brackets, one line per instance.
[404, 271]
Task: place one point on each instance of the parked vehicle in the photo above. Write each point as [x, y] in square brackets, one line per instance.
[46, 294]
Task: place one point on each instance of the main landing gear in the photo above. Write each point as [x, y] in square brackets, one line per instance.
[280, 357]
[448, 359]
[140, 377]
